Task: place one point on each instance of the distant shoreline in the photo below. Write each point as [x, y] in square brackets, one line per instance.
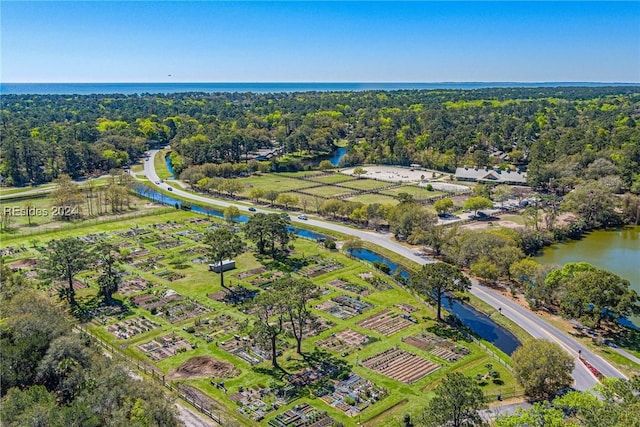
[165, 88]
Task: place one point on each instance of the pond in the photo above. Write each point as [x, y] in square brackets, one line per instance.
[479, 323]
[338, 155]
[158, 197]
[617, 251]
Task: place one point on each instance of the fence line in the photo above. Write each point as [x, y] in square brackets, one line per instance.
[158, 377]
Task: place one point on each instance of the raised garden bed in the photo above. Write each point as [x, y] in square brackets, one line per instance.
[166, 346]
[437, 346]
[400, 365]
[128, 328]
[386, 322]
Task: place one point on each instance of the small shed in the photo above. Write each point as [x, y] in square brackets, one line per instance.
[227, 264]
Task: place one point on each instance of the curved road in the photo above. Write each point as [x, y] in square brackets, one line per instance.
[534, 325]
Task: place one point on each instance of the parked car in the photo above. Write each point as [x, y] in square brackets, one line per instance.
[252, 209]
[170, 189]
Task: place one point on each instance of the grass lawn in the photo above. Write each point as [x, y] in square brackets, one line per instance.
[161, 165]
[518, 219]
[304, 174]
[334, 178]
[5, 191]
[42, 220]
[328, 191]
[272, 182]
[366, 184]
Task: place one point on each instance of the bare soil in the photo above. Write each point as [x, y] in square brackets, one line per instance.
[204, 367]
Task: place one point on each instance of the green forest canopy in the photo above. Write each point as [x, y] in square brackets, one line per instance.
[552, 130]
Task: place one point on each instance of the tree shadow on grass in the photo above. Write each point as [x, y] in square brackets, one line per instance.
[277, 374]
[627, 338]
[287, 264]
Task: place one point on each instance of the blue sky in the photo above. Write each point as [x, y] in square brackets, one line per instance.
[331, 41]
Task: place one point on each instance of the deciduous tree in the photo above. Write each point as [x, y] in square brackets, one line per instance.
[457, 402]
[62, 259]
[542, 367]
[223, 244]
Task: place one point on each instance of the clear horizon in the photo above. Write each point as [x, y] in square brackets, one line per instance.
[319, 42]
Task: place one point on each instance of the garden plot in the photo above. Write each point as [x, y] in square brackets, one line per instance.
[256, 402]
[199, 221]
[322, 266]
[204, 367]
[94, 238]
[168, 244]
[312, 327]
[377, 282]
[353, 395]
[12, 250]
[106, 313]
[302, 415]
[166, 346]
[253, 272]
[344, 342]
[344, 307]
[128, 328]
[386, 322]
[148, 264]
[437, 346]
[169, 275]
[183, 310]
[77, 284]
[208, 329]
[133, 232]
[138, 252]
[266, 279]
[407, 308]
[350, 287]
[239, 295]
[245, 349]
[167, 226]
[152, 302]
[133, 285]
[400, 365]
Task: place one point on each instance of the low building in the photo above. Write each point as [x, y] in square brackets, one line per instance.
[491, 175]
[227, 264]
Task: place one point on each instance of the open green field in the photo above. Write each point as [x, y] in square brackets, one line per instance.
[14, 191]
[366, 184]
[167, 257]
[328, 191]
[303, 174]
[31, 216]
[273, 182]
[334, 179]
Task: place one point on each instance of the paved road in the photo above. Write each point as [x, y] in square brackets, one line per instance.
[530, 322]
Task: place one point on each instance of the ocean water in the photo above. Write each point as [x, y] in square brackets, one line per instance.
[155, 88]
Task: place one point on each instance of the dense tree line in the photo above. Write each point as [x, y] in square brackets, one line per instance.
[53, 376]
[560, 132]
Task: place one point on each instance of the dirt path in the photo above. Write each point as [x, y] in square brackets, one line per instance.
[191, 418]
